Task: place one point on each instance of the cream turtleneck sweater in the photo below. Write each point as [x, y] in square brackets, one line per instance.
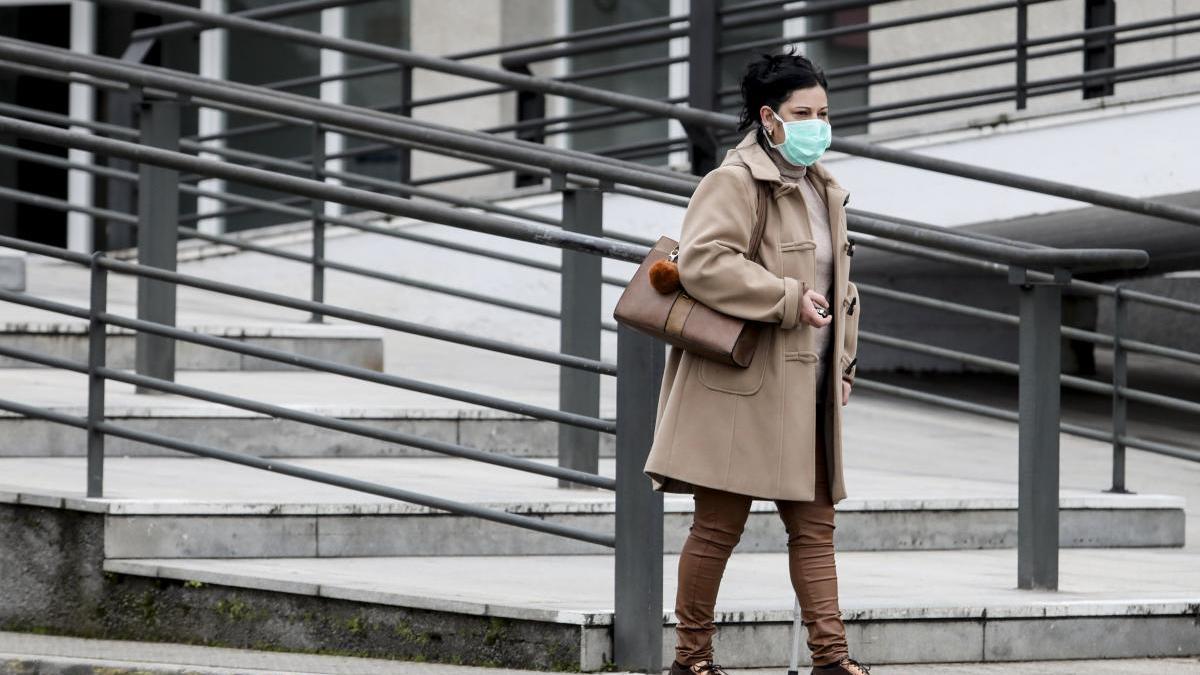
[818, 219]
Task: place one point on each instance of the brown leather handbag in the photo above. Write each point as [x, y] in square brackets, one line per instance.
[679, 319]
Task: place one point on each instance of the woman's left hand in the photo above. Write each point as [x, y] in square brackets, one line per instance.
[845, 392]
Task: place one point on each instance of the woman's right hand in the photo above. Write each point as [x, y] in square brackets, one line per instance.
[809, 303]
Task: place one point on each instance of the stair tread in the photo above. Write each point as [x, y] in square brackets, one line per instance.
[970, 584]
[153, 485]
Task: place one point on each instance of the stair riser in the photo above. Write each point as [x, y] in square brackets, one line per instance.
[423, 535]
[361, 352]
[764, 645]
[280, 438]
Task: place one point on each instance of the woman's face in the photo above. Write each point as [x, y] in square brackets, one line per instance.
[804, 104]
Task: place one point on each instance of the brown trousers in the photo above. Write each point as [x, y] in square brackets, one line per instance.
[717, 527]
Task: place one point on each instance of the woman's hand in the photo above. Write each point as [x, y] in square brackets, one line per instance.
[809, 303]
[845, 392]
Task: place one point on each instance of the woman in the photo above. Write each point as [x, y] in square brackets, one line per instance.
[730, 435]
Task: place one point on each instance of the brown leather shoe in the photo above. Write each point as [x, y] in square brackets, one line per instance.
[847, 666]
[700, 668]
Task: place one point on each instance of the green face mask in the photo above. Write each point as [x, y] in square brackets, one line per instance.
[804, 141]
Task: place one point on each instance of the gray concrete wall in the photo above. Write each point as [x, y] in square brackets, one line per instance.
[444, 28]
[51, 563]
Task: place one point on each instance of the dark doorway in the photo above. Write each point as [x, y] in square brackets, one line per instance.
[48, 24]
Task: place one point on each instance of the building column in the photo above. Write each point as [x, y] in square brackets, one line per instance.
[214, 63]
[81, 106]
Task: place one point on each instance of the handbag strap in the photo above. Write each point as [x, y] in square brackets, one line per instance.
[760, 224]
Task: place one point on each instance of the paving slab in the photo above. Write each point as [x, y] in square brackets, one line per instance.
[55, 655]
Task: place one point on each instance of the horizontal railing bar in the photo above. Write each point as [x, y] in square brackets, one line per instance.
[1097, 338]
[1151, 299]
[1032, 85]
[1162, 400]
[778, 14]
[312, 110]
[126, 219]
[59, 119]
[936, 303]
[232, 210]
[99, 67]
[490, 300]
[324, 309]
[63, 163]
[343, 76]
[353, 428]
[410, 58]
[540, 234]
[987, 362]
[850, 71]
[870, 117]
[1012, 416]
[936, 399]
[622, 68]
[1089, 287]
[1155, 350]
[1007, 253]
[36, 357]
[63, 205]
[576, 48]
[1007, 368]
[299, 167]
[1153, 446]
[870, 26]
[287, 469]
[361, 374]
[275, 11]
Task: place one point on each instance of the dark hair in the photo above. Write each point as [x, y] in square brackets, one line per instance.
[770, 80]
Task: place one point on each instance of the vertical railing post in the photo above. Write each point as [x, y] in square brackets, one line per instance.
[1119, 402]
[1022, 55]
[1099, 52]
[404, 172]
[317, 207]
[531, 105]
[158, 212]
[704, 79]
[638, 601]
[97, 346]
[579, 331]
[1038, 456]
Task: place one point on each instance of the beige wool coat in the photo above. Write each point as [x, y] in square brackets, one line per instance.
[752, 430]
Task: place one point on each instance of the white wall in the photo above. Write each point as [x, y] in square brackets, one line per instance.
[1141, 149]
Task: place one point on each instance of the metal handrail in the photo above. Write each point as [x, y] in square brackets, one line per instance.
[276, 11]
[288, 469]
[716, 121]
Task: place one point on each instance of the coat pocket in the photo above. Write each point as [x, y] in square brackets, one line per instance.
[800, 372]
[737, 380]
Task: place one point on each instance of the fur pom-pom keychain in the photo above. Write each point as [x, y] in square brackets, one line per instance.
[664, 274]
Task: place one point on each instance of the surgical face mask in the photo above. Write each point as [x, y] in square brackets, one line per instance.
[804, 141]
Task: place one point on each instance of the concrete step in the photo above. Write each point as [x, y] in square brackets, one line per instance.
[360, 346]
[242, 431]
[221, 510]
[899, 607]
